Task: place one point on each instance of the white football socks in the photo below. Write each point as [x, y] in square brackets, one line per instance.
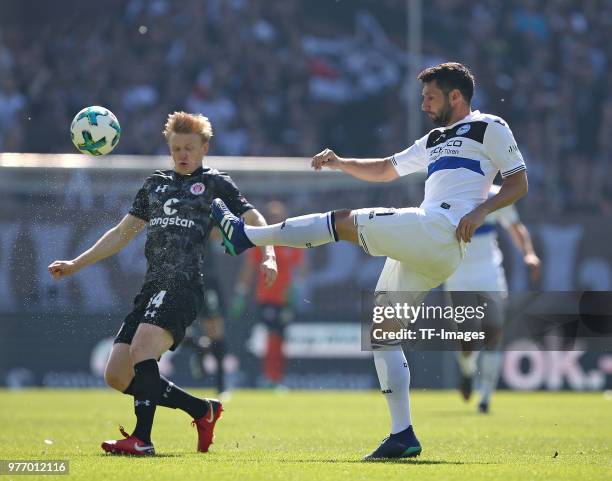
[394, 377]
[310, 230]
[490, 367]
[467, 362]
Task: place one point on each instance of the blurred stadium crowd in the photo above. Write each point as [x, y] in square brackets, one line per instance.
[289, 78]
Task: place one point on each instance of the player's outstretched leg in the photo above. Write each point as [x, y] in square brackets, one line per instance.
[305, 231]
[232, 228]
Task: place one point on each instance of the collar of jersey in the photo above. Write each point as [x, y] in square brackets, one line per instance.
[198, 171]
[468, 117]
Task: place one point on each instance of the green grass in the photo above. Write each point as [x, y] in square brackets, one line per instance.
[319, 436]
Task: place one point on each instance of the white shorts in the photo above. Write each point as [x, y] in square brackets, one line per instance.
[421, 246]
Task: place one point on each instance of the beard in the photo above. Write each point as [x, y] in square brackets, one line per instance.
[442, 118]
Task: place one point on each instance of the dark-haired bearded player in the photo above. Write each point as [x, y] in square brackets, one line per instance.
[423, 245]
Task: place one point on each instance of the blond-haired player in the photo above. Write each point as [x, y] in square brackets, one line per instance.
[174, 206]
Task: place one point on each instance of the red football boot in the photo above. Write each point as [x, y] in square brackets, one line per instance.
[129, 445]
[206, 424]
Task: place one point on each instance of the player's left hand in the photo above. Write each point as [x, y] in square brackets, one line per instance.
[469, 223]
[269, 270]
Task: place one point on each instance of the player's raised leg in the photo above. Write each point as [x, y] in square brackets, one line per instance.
[305, 231]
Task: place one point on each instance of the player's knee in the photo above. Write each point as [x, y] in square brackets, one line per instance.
[345, 225]
[140, 352]
[114, 380]
[342, 214]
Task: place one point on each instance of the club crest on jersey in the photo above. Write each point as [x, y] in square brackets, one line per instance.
[464, 129]
[198, 188]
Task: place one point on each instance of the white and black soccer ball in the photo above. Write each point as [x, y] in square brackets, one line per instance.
[95, 131]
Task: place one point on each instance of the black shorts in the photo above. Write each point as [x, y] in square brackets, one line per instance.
[170, 305]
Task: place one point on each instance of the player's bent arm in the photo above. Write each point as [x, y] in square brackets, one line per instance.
[512, 189]
[110, 243]
[268, 264]
[371, 170]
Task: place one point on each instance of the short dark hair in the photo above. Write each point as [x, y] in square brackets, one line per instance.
[450, 76]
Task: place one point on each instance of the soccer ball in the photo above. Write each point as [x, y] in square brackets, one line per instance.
[95, 131]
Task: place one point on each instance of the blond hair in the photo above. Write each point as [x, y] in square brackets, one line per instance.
[184, 123]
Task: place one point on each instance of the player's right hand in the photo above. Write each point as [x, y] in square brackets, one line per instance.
[59, 269]
[326, 158]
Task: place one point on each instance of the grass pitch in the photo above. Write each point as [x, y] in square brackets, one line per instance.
[318, 436]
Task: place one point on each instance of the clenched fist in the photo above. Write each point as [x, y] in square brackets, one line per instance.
[59, 269]
[326, 158]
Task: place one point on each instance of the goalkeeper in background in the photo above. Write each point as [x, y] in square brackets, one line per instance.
[274, 302]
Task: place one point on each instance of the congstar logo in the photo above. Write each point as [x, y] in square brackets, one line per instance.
[169, 210]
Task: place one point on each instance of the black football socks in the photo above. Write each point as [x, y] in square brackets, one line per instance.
[146, 387]
[172, 396]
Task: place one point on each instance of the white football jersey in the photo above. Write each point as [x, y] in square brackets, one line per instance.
[461, 162]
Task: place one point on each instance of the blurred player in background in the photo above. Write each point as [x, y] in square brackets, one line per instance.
[175, 205]
[423, 245]
[482, 271]
[207, 336]
[274, 302]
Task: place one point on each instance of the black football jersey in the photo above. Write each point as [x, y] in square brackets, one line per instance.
[177, 208]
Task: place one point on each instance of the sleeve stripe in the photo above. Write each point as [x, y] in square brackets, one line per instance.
[514, 171]
[393, 161]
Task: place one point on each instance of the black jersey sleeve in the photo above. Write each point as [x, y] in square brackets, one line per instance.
[140, 206]
[229, 193]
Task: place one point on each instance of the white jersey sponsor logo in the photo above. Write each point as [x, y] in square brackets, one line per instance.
[166, 221]
[168, 209]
